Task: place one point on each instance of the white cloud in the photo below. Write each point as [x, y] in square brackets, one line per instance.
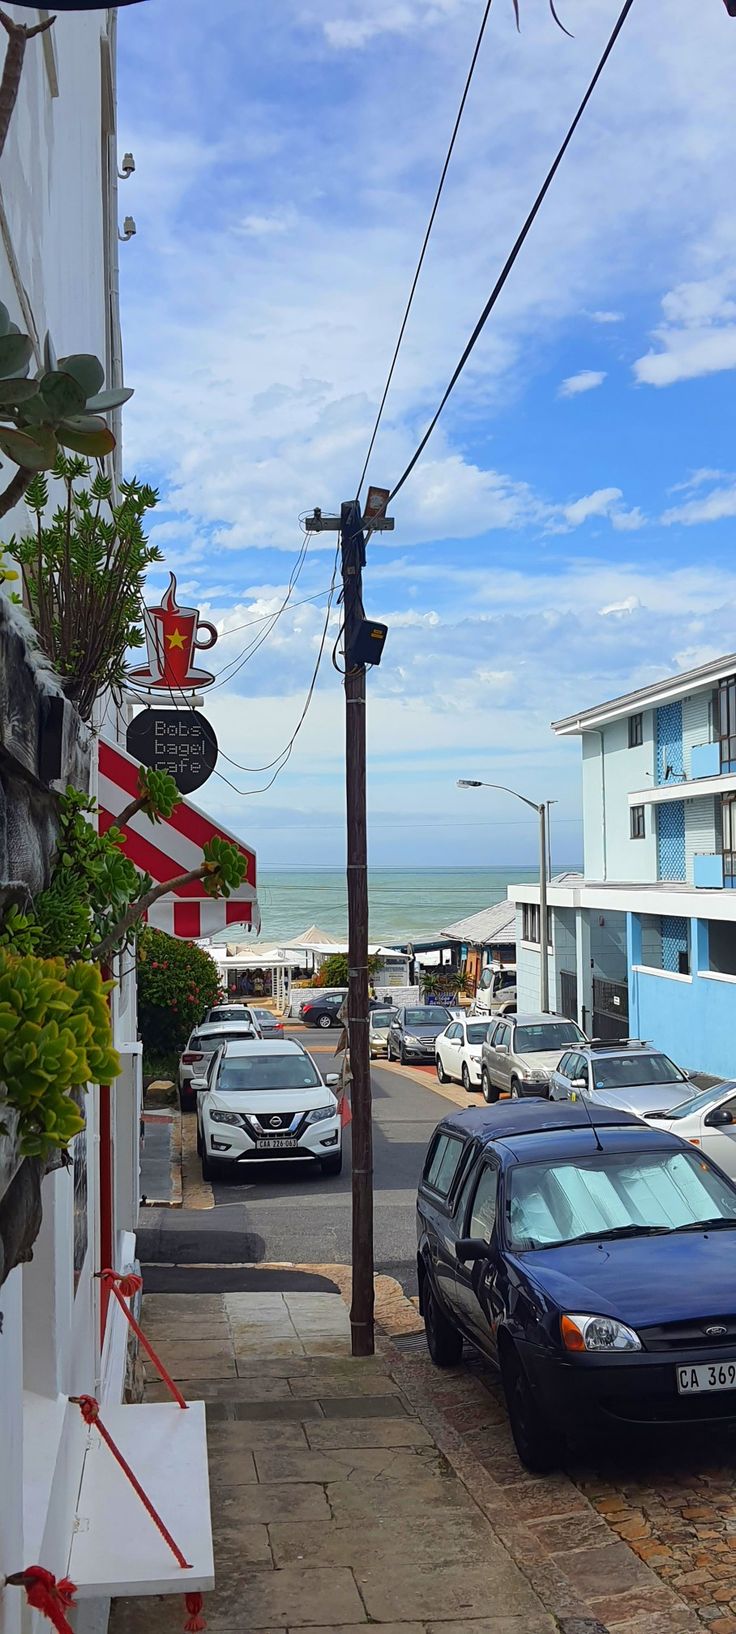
[586, 380]
[606, 317]
[630, 604]
[716, 506]
[600, 503]
[698, 336]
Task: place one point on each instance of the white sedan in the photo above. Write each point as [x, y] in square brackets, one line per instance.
[457, 1052]
[707, 1120]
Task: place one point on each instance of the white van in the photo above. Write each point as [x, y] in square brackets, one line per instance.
[496, 991]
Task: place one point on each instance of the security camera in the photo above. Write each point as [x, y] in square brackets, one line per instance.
[129, 230]
[128, 167]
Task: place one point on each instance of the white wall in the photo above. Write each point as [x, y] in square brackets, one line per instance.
[58, 248]
[610, 852]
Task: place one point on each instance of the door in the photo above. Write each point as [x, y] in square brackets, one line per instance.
[559, 1083]
[501, 1061]
[719, 1141]
[476, 1299]
[610, 1009]
[450, 1051]
[569, 994]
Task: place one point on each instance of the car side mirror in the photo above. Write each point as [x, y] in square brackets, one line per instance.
[199, 1084]
[472, 1248]
[719, 1117]
[579, 1083]
[331, 1079]
[503, 1049]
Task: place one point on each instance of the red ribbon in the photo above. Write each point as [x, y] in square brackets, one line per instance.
[44, 1594]
[123, 1287]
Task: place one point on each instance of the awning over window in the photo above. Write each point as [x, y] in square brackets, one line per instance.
[170, 848]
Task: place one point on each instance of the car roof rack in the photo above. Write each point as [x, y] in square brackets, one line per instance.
[619, 1044]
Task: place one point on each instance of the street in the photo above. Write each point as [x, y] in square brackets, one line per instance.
[293, 1213]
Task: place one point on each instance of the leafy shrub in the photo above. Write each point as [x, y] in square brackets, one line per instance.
[177, 982]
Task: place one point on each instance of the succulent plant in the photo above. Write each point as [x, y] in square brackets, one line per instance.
[61, 406]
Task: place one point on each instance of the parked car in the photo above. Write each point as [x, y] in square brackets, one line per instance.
[707, 1120]
[631, 1074]
[202, 1044]
[379, 1022]
[496, 990]
[323, 1011]
[231, 1012]
[264, 1101]
[271, 1026]
[457, 1052]
[520, 1052]
[592, 1266]
[412, 1034]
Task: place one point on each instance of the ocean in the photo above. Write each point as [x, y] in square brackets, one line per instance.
[404, 903]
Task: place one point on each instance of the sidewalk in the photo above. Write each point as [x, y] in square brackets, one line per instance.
[332, 1505]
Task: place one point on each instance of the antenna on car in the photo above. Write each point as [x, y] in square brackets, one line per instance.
[590, 1121]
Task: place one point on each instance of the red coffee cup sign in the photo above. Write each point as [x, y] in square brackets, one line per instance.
[173, 634]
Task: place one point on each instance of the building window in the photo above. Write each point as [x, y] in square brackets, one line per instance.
[722, 947]
[726, 721]
[728, 828]
[638, 831]
[665, 943]
[636, 731]
[530, 923]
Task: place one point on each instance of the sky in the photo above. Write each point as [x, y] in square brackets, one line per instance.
[567, 534]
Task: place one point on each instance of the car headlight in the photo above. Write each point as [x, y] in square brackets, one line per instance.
[321, 1112]
[410, 1039]
[225, 1117]
[536, 1075]
[597, 1333]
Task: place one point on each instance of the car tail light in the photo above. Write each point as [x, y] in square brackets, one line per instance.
[190, 1055]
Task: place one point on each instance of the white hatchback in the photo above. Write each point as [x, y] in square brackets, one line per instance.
[264, 1100]
[457, 1052]
[707, 1120]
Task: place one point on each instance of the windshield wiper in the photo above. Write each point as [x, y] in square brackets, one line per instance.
[719, 1223]
[620, 1231]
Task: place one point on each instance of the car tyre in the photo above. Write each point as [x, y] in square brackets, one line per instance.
[490, 1093]
[441, 1074]
[402, 1056]
[515, 1089]
[444, 1343]
[199, 1141]
[538, 1445]
[210, 1166]
[324, 1021]
[332, 1165]
[467, 1086]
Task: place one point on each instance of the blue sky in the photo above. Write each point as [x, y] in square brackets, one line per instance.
[568, 533]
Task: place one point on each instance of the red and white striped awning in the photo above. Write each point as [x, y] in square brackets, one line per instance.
[170, 848]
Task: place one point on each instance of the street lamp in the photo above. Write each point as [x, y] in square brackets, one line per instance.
[541, 810]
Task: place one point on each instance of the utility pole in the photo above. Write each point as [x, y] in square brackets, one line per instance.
[356, 638]
[543, 951]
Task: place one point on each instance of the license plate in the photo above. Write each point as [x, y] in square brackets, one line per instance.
[691, 1381]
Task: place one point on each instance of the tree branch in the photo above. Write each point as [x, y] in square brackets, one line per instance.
[131, 810]
[18, 37]
[109, 943]
[18, 484]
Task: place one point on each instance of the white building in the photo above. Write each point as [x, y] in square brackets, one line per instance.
[58, 273]
[644, 942]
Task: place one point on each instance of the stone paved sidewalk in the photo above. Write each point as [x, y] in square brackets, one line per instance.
[332, 1506]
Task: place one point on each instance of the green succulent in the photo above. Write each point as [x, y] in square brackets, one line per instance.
[55, 1036]
[158, 793]
[62, 406]
[225, 867]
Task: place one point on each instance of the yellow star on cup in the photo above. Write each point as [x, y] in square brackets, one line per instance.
[176, 639]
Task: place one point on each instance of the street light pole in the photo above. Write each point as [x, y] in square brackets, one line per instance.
[541, 810]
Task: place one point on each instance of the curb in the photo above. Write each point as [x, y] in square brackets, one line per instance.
[173, 1116]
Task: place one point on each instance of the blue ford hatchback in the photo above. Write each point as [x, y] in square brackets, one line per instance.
[594, 1266]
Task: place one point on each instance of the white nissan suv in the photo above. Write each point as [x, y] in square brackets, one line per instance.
[264, 1100]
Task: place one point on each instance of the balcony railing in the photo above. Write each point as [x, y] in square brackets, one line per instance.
[708, 870]
[705, 760]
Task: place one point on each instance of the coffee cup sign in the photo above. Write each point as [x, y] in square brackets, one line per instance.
[173, 635]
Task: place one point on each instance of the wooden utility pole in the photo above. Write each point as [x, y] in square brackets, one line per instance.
[352, 550]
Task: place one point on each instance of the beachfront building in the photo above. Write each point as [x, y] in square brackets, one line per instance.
[643, 943]
[485, 940]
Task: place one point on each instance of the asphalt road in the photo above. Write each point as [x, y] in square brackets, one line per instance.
[295, 1214]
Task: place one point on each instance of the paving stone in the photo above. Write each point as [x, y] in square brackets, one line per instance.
[354, 1502]
[558, 1535]
[494, 1625]
[665, 1622]
[412, 1592]
[343, 1463]
[198, 1306]
[612, 1608]
[431, 1540]
[379, 1432]
[335, 1384]
[265, 1349]
[239, 1542]
[609, 1569]
[280, 1410]
[188, 1365]
[157, 1614]
[540, 1500]
[237, 1469]
[268, 1504]
[363, 1407]
[236, 1437]
[297, 1597]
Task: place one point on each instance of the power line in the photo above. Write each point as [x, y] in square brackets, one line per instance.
[528, 224]
[427, 236]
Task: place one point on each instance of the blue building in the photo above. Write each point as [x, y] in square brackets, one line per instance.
[643, 943]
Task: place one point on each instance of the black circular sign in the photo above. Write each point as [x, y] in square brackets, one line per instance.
[178, 741]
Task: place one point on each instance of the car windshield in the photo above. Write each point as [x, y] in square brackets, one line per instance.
[701, 1103]
[212, 1041]
[264, 1018]
[614, 1194]
[477, 1032]
[621, 1071]
[382, 1018]
[237, 1012]
[257, 1072]
[429, 1016]
[547, 1035]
